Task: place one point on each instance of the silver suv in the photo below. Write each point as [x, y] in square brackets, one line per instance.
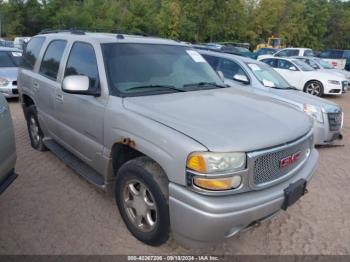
[149, 120]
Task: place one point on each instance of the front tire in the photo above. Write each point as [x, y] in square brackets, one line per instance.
[314, 88]
[35, 133]
[142, 198]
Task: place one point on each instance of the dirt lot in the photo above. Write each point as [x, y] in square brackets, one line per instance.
[51, 210]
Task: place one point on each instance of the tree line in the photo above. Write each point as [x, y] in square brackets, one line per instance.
[316, 24]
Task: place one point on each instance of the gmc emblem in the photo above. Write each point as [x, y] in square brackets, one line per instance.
[284, 162]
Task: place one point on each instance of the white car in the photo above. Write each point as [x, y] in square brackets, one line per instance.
[322, 65]
[305, 78]
[288, 52]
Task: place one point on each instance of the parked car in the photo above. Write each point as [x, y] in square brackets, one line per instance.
[9, 61]
[226, 48]
[288, 52]
[7, 148]
[264, 51]
[257, 77]
[149, 120]
[339, 59]
[305, 78]
[21, 41]
[321, 65]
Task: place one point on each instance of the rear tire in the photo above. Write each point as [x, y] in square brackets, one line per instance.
[35, 133]
[142, 198]
[314, 88]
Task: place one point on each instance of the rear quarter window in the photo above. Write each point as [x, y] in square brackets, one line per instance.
[31, 52]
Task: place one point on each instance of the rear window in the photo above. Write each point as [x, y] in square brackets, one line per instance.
[52, 59]
[10, 58]
[332, 54]
[31, 52]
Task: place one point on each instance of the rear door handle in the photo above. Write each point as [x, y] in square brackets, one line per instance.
[59, 98]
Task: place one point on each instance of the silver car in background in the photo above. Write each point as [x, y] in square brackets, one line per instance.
[260, 78]
[9, 62]
[7, 146]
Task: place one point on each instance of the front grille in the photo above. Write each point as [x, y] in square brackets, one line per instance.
[335, 121]
[267, 166]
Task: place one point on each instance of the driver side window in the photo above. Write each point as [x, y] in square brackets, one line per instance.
[284, 64]
[230, 68]
[82, 61]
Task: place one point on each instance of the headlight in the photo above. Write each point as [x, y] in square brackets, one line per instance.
[314, 112]
[333, 82]
[3, 81]
[213, 163]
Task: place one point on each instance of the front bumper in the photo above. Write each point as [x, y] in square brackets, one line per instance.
[199, 220]
[9, 91]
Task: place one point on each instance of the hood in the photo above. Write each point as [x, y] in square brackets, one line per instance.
[9, 73]
[224, 120]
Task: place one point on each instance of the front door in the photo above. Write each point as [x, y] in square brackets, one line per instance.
[81, 117]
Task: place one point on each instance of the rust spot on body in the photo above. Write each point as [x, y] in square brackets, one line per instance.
[129, 142]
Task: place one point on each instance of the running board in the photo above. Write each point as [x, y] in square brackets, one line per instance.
[75, 163]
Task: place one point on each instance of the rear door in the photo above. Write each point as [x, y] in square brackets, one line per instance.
[81, 117]
[46, 83]
[7, 140]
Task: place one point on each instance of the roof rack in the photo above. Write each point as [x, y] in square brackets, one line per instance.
[56, 31]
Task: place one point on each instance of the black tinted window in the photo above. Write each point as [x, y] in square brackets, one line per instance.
[52, 59]
[284, 64]
[230, 68]
[212, 60]
[270, 62]
[10, 59]
[31, 52]
[82, 61]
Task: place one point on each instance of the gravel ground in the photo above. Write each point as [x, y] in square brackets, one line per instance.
[51, 210]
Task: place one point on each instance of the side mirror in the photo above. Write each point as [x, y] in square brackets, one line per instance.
[293, 68]
[221, 75]
[78, 84]
[241, 78]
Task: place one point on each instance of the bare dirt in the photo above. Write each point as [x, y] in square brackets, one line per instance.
[49, 209]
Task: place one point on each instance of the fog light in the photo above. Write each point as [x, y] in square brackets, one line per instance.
[217, 184]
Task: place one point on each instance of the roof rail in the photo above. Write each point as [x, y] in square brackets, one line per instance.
[55, 31]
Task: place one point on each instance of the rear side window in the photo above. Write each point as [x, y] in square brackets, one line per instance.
[52, 59]
[212, 60]
[82, 61]
[309, 53]
[230, 68]
[31, 52]
[270, 62]
[284, 64]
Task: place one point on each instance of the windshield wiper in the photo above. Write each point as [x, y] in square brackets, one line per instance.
[158, 87]
[204, 84]
[284, 88]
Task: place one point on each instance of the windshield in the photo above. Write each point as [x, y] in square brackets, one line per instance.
[267, 76]
[324, 64]
[10, 59]
[134, 68]
[302, 65]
